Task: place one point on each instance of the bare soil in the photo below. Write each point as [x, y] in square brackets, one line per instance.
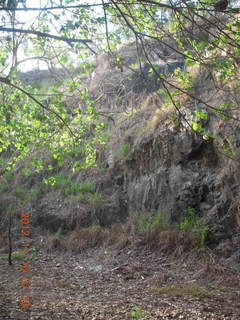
[107, 284]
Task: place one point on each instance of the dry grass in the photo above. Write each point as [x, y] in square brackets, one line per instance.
[156, 119]
[95, 236]
[3, 240]
[53, 242]
[193, 290]
[154, 234]
[171, 240]
[160, 278]
[63, 284]
[118, 236]
[84, 238]
[153, 100]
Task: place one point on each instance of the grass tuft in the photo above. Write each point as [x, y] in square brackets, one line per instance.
[193, 290]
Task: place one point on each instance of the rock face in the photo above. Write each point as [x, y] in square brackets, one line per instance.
[169, 168]
[170, 173]
[166, 168]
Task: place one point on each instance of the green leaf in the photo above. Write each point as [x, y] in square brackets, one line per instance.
[201, 115]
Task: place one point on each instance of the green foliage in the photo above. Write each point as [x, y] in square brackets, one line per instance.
[25, 194]
[96, 200]
[124, 149]
[69, 188]
[20, 192]
[25, 126]
[42, 117]
[34, 252]
[185, 79]
[78, 190]
[15, 255]
[228, 149]
[137, 314]
[21, 256]
[76, 198]
[86, 186]
[147, 221]
[107, 135]
[57, 181]
[8, 176]
[195, 224]
[27, 172]
[197, 126]
[4, 186]
[59, 232]
[3, 161]
[201, 115]
[35, 192]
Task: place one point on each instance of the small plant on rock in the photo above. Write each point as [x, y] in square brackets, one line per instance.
[124, 149]
[96, 200]
[137, 314]
[195, 224]
[147, 221]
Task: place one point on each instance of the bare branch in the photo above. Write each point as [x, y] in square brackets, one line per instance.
[85, 6]
[46, 35]
[51, 8]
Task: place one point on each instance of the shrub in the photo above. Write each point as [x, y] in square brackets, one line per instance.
[78, 189]
[85, 238]
[96, 200]
[54, 242]
[56, 181]
[82, 239]
[86, 186]
[61, 180]
[8, 175]
[35, 193]
[18, 255]
[124, 149]
[29, 195]
[26, 172]
[118, 236]
[137, 314]
[69, 188]
[156, 232]
[193, 223]
[20, 193]
[146, 222]
[76, 198]
[75, 152]
[4, 186]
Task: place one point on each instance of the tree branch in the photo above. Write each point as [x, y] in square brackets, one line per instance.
[8, 82]
[159, 4]
[51, 8]
[44, 34]
[81, 6]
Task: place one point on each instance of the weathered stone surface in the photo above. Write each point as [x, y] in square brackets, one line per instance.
[170, 173]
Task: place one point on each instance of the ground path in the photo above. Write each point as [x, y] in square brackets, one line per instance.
[109, 284]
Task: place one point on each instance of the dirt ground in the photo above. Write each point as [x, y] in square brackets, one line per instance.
[133, 283]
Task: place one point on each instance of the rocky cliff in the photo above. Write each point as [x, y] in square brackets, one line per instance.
[153, 160]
